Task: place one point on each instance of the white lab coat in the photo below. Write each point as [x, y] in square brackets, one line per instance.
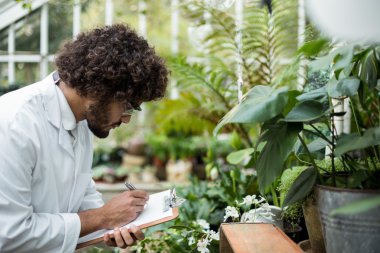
[44, 181]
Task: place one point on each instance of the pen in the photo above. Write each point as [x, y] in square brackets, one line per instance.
[130, 186]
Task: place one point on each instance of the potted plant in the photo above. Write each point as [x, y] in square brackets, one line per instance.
[292, 214]
[356, 71]
[291, 121]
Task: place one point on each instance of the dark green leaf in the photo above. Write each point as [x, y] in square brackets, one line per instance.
[317, 144]
[344, 87]
[292, 100]
[356, 178]
[354, 141]
[370, 69]
[260, 104]
[314, 94]
[301, 187]
[305, 111]
[358, 206]
[280, 141]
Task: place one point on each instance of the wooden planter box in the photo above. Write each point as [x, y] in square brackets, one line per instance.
[255, 238]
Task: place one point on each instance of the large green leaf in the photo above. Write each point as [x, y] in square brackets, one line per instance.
[261, 103]
[305, 111]
[344, 87]
[370, 69]
[301, 187]
[354, 141]
[339, 58]
[358, 206]
[240, 156]
[313, 47]
[314, 94]
[317, 144]
[343, 57]
[280, 139]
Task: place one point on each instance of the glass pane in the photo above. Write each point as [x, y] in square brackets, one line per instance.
[4, 41]
[60, 24]
[51, 67]
[93, 14]
[28, 33]
[27, 73]
[126, 13]
[3, 75]
[159, 26]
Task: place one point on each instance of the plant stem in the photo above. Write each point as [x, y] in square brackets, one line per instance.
[311, 157]
[274, 196]
[320, 134]
[333, 140]
[355, 118]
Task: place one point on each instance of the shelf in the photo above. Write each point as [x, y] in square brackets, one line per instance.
[110, 190]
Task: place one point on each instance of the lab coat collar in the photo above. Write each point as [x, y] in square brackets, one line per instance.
[52, 107]
[68, 119]
[51, 102]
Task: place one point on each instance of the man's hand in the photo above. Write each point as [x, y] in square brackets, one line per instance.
[119, 211]
[124, 237]
[124, 208]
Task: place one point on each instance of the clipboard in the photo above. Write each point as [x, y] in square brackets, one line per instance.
[161, 207]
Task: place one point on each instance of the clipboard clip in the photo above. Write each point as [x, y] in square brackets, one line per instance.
[172, 200]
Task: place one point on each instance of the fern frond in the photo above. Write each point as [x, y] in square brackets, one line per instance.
[212, 84]
[185, 115]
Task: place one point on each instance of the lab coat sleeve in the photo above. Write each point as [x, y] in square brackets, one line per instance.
[23, 230]
[92, 199]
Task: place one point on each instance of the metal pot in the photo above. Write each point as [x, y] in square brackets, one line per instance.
[350, 233]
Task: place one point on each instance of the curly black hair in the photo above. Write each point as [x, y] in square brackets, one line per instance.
[113, 63]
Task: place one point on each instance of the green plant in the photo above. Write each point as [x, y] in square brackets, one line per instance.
[251, 209]
[301, 124]
[207, 87]
[293, 213]
[205, 201]
[354, 157]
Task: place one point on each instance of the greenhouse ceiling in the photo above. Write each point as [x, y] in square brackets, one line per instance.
[11, 11]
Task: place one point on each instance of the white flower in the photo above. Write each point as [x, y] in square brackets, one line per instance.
[191, 240]
[248, 200]
[266, 207]
[202, 246]
[249, 216]
[213, 235]
[231, 212]
[258, 201]
[267, 216]
[251, 199]
[204, 224]
[264, 213]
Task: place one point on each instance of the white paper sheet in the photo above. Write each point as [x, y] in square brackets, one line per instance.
[152, 211]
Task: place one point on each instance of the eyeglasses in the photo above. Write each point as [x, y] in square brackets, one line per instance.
[130, 109]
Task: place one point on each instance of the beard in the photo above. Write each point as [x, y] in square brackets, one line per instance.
[97, 120]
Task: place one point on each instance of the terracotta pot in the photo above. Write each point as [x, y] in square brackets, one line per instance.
[313, 225]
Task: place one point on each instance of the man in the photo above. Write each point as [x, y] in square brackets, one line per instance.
[47, 197]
